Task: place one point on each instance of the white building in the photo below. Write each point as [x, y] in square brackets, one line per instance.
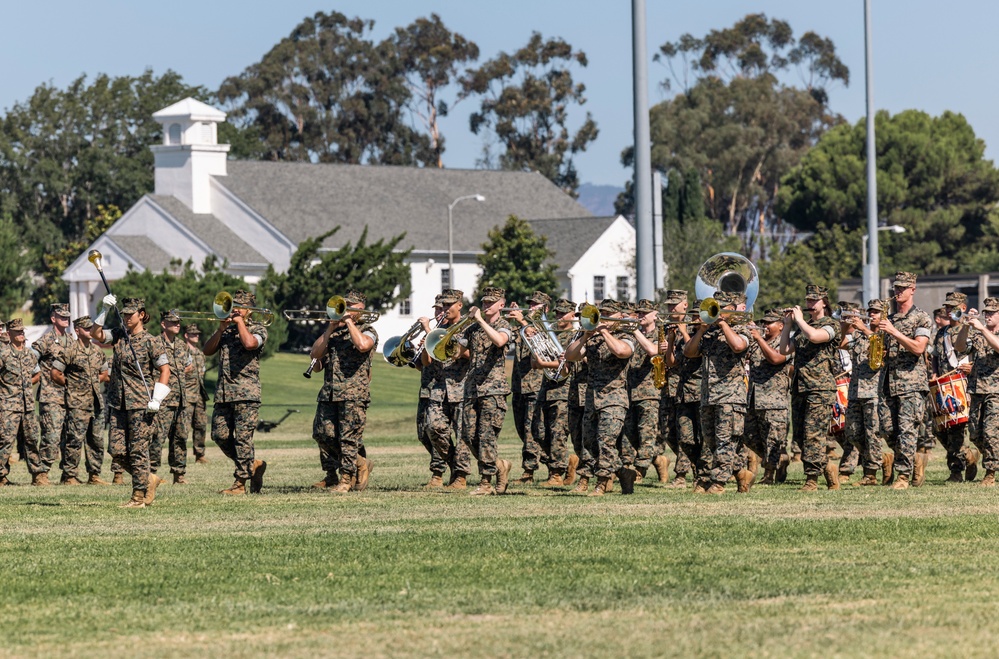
[254, 214]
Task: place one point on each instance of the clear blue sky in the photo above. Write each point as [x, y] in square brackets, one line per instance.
[933, 56]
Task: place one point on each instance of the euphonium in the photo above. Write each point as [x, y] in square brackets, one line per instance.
[658, 363]
[443, 343]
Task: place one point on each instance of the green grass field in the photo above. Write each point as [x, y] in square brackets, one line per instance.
[395, 571]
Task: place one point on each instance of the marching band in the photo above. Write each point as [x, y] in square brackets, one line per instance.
[600, 392]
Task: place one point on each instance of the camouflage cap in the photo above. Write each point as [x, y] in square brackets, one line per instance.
[904, 279]
[60, 309]
[876, 305]
[955, 299]
[675, 296]
[772, 316]
[169, 316]
[991, 304]
[15, 325]
[83, 322]
[540, 298]
[849, 306]
[493, 294]
[725, 298]
[816, 292]
[192, 329]
[449, 296]
[609, 305]
[243, 298]
[355, 296]
[564, 306]
[645, 306]
[133, 305]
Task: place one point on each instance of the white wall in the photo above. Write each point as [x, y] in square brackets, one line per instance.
[611, 256]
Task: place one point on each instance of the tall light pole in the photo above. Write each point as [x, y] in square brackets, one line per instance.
[868, 296]
[644, 248]
[871, 266]
[450, 233]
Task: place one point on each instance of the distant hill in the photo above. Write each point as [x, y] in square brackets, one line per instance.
[599, 199]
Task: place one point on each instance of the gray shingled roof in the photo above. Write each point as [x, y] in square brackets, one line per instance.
[143, 250]
[220, 238]
[570, 237]
[303, 200]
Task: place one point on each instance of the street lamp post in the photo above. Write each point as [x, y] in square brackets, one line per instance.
[875, 278]
[450, 233]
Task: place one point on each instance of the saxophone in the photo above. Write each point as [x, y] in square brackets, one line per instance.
[658, 363]
[876, 349]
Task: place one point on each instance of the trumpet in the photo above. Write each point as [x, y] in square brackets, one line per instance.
[222, 307]
[711, 312]
[963, 317]
[589, 318]
[846, 316]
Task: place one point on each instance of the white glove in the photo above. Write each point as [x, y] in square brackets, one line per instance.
[106, 303]
[160, 392]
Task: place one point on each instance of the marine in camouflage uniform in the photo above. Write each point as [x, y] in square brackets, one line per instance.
[42, 453]
[642, 422]
[345, 351]
[239, 342]
[769, 391]
[906, 377]
[429, 372]
[576, 412]
[196, 392]
[173, 420]
[722, 349]
[687, 413]
[945, 360]
[813, 388]
[862, 414]
[486, 389]
[19, 372]
[554, 401]
[526, 384]
[445, 403]
[81, 368]
[608, 352]
[132, 392]
[983, 385]
[680, 371]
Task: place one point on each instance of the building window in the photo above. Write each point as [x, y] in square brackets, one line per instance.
[446, 279]
[599, 288]
[406, 307]
[206, 133]
[173, 134]
[622, 288]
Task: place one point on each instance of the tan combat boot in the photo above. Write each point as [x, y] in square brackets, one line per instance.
[603, 486]
[257, 470]
[990, 479]
[811, 484]
[870, 478]
[95, 479]
[154, 482]
[40, 480]
[138, 500]
[768, 475]
[956, 477]
[782, 465]
[971, 456]
[503, 468]
[238, 488]
[69, 480]
[919, 468]
[364, 467]
[661, 463]
[887, 468]
[457, 484]
[118, 479]
[554, 480]
[485, 488]
[179, 479]
[844, 479]
[436, 481]
[701, 486]
[570, 472]
[346, 484]
[639, 474]
[901, 482]
[744, 478]
[526, 477]
[716, 489]
[678, 483]
[201, 460]
[327, 482]
[832, 476]
[582, 486]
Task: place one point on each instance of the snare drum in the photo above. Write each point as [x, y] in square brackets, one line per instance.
[949, 398]
[838, 424]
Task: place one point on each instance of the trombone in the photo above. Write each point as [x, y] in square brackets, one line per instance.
[336, 309]
[222, 307]
[711, 312]
[309, 315]
[589, 318]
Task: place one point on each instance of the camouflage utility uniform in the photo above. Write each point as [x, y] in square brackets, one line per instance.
[526, 384]
[486, 389]
[196, 396]
[17, 403]
[128, 401]
[983, 389]
[343, 402]
[41, 455]
[862, 414]
[945, 360]
[686, 416]
[82, 367]
[907, 386]
[554, 401]
[606, 402]
[813, 392]
[237, 397]
[173, 420]
[642, 421]
[769, 390]
[444, 412]
[576, 412]
[723, 401]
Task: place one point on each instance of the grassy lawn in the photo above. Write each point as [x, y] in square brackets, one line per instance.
[395, 571]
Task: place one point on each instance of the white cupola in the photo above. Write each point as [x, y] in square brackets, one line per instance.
[190, 154]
